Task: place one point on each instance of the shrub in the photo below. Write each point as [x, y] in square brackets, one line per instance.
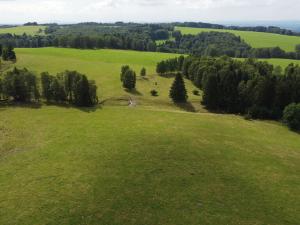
[291, 116]
[196, 92]
[154, 93]
[143, 72]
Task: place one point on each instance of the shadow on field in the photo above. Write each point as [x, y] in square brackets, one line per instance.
[31, 105]
[186, 106]
[37, 105]
[134, 92]
[168, 75]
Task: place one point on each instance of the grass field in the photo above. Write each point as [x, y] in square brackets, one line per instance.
[120, 165]
[255, 39]
[281, 62]
[154, 164]
[104, 66]
[19, 30]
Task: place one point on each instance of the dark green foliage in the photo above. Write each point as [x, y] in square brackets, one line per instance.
[154, 92]
[139, 37]
[291, 116]
[143, 72]
[20, 85]
[178, 91]
[210, 97]
[82, 92]
[196, 92]
[129, 80]
[170, 65]
[8, 54]
[208, 44]
[124, 69]
[248, 87]
[71, 87]
[46, 81]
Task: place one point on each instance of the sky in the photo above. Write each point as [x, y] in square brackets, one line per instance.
[70, 11]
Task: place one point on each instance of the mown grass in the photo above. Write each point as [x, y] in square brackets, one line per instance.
[104, 67]
[19, 30]
[255, 39]
[120, 165]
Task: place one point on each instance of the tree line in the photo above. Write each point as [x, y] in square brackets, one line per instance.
[21, 85]
[249, 87]
[139, 37]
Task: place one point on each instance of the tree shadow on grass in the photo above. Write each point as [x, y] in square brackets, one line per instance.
[31, 105]
[134, 92]
[167, 75]
[69, 106]
[37, 105]
[187, 106]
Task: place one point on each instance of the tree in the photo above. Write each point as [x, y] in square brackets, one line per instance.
[46, 81]
[124, 69]
[8, 54]
[21, 85]
[178, 91]
[297, 49]
[161, 67]
[291, 116]
[143, 72]
[210, 97]
[82, 96]
[129, 79]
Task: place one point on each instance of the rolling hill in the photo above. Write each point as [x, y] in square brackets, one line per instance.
[150, 164]
[255, 39]
[104, 66]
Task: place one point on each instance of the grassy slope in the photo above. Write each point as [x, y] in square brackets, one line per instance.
[255, 39]
[66, 166]
[104, 66]
[29, 30]
[282, 62]
[121, 165]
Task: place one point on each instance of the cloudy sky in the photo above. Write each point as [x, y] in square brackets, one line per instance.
[20, 11]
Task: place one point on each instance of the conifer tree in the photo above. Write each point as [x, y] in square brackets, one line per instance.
[178, 91]
[129, 80]
[143, 72]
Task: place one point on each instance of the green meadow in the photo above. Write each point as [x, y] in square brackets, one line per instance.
[153, 164]
[255, 39]
[104, 66]
[19, 30]
[121, 165]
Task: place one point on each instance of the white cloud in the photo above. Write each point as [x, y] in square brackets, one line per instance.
[19, 11]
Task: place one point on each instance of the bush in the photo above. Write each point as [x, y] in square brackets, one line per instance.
[196, 92]
[154, 93]
[291, 116]
[143, 72]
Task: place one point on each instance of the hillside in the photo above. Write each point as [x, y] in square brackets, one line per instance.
[19, 30]
[104, 67]
[129, 166]
[255, 39]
